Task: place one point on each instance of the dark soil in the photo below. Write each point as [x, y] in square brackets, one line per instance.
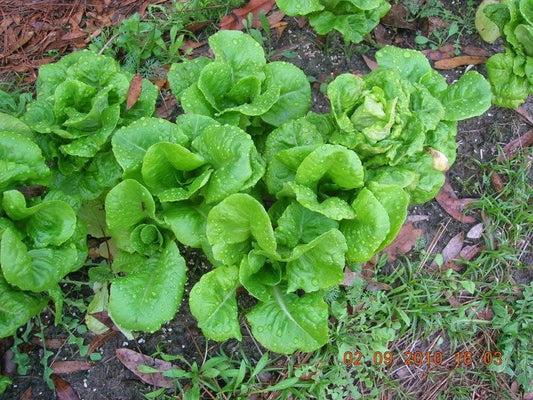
[479, 141]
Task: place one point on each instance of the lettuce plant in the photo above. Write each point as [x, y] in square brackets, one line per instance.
[354, 19]
[40, 241]
[401, 119]
[305, 252]
[239, 87]
[81, 101]
[511, 73]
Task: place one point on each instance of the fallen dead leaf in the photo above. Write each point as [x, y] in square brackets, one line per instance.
[469, 252]
[27, 395]
[517, 144]
[196, 26]
[453, 248]
[100, 340]
[382, 36]
[349, 277]
[485, 314]
[134, 91]
[63, 389]
[68, 367]
[233, 21]
[451, 299]
[51, 343]
[397, 18]
[404, 242]
[441, 53]
[454, 62]
[475, 51]
[375, 285]
[496, 182]
[454, 206]
[476, 231]
[525, 115]
[370, 63]
[167, 108]
[275, 18]
[132, 360]
[417, 218]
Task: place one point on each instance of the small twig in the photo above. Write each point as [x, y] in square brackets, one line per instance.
[106, 45]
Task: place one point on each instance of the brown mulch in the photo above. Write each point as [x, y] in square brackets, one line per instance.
[35, 32]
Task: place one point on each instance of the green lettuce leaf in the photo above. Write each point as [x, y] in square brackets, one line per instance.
[248, 223]
[243, 54]
[258, 274]
[47, 223]
[188, 222]
[395, 201]
[294, 95]
[467, 98]
[293, 133]
[36, 270]
[213, 303]
[288, 322]
[368, 230]
[299, 225]
[131, 143]
[17, 307]
[234, 159]
[149, 296]
[21, 162]
[318, 264]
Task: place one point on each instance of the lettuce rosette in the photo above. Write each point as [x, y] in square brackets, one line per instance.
[511, 72]
[354, 19]
[81, 101]
[401, 119]
[238, 86]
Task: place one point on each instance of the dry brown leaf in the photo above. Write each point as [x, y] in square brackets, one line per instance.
[21, 41]
[452, 63]
[417, 218]
[453, 248]
[476, 231]
[397, 18]
[373, 65]
[475, 51]
[27, 395]
[375, 285]
[196, 26]
[451, 299]
[525, 115]
[302, 21]
[469, 252]
[167, 108]
[100, 340]
[517, 144]
[51, 343]
[63, 389]
[382, 36]
[349, 277]
[68, 367]
[132, 360]
[441, 53]
[233, 21]
[404, 242]
[496, 182]
[454, 206]
[280, 28]
[275, 18]
[134, 91]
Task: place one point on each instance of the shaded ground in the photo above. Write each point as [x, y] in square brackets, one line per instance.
[479, 140]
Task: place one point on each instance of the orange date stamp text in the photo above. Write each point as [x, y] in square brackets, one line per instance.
[418, 358]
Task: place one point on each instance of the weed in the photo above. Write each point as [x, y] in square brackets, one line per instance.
[456, 24]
